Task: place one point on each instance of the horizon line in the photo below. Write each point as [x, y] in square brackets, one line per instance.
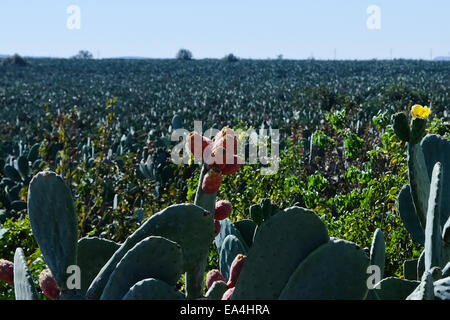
[434, 59]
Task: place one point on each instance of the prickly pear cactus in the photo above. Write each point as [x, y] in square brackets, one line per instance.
[377, 251]
[247, 229]
[23, 281]
[153, 257]
[336, 270]
[283, 242]
[393, 288]
[433, 238]
[152, 289]
[54, 223]
[216, 291]
[93, 254]
[408, 215]
[230, 248]
[228, 228]
[188, 225]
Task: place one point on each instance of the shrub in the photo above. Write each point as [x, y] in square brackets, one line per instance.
[15, 60]
[231, 58]
[83, 54]
[184, 54]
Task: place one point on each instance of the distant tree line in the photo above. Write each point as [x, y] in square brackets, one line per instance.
[15, 59]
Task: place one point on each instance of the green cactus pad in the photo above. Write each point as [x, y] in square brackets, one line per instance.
[442, 289]
[419, 181]
[231, 247]
[216, 291]
[18, 205]
[446, 232]
[377, 251]
[445, 254]
[33, 154]
[71, 295]
[13, 193]
[188, 225]
[202, 199]
[401, 126]
[37, 164]
[280, 245]
[152, 289]
[247, 229]
[408, 215]
[256, 214]
[421, 265]
[153, 257]
[418, 126]
[410, 269]
[177, 122]
[395, 288]
[335, 270]
[54, 223]
[226, 228]
[93, 254]
[446, 270]
[24, 168]
[437, 149]
[266, 207]
[436, 273]
[23, 281]
[425, 290]
[372, 295]
[12, 173]
[433, 233]
[143, 170]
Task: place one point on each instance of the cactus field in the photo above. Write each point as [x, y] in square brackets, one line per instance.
[351, 201]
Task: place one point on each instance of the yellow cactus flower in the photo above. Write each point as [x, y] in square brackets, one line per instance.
[420, 112]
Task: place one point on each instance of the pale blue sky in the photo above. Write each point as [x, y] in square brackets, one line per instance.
[210, 28]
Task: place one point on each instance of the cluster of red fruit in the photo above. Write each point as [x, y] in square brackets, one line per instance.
[219, 154]
[223, 211]
[235, 270]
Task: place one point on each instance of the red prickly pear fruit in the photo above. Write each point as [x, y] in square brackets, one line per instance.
[6, 271]
[217, 226]
[213, 276]
[227, 295]
[228, 142]
[214, 158]
[231, 168]
[223, 209]
[48, 284]
[224, 132]
[217, 157]
[195, 138]
[212, 181]
[235, 270]
[226, 139]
